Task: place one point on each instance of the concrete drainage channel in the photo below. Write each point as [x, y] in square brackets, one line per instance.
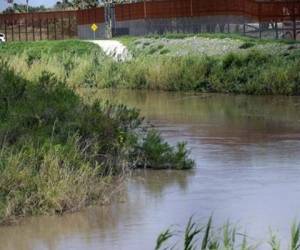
[114, 49]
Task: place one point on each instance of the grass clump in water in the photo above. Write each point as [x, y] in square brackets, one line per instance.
[58, 153]
[207, 237]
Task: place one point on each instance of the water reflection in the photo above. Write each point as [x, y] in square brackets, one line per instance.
[95, 226]
[248, 169]
[157, 182]
[215, 116]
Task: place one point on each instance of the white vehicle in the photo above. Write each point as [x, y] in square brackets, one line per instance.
[2, 38]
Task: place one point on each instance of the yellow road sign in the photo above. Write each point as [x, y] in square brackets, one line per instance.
[94, 27]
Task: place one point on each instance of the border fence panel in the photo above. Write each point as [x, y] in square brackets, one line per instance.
[256, 18]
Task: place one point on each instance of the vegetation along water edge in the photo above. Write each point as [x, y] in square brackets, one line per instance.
[203, 63]
[59, 153]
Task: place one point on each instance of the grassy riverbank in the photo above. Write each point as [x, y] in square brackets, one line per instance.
[205, 63]
[59, 153]
[227, 237]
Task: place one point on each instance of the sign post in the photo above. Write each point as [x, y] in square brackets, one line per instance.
[94, 28]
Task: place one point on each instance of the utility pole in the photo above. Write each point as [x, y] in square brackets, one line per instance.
[27, 2]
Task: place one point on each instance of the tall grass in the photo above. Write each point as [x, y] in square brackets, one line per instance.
[59, 153]
[252, 72]
[207, 237]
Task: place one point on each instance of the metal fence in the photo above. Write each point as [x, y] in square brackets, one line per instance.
[38, 26]
[283, 15]
[258, 10]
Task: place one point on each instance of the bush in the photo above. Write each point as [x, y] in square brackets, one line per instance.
[158, 154]
[247, 45]
[58, 153]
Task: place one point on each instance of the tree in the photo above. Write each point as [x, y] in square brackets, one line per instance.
[64, 4]
[22, 8]
[85, 4]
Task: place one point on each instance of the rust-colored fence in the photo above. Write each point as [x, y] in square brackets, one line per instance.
[38, 26]
[256, 10]
[89, 16]
[64, 24]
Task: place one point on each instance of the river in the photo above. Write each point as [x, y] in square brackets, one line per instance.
[248, 168]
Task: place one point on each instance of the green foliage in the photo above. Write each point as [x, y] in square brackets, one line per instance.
[158, 154]
[227, 237]
[50, 48]
[295, 239]
[247, 45]
[250, 73]
[191, 232]
[274, 242]
[162, 238]
[22, 8]
[58, 153]
[82, 65]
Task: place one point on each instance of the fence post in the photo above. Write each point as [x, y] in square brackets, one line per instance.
[19, 27]
[276, 30]
[41, 36]
[55, 35]
[259, 19]
[12, 30]
[294, 22]
[69, 26]
[62, 26]
[145, 10]
[5, 28]
[33, 34]
[47, 28]
[26, 28]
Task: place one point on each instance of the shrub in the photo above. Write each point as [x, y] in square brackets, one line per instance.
[247, 45]
[58, 153]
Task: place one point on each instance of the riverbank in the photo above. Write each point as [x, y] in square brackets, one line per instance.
[204, 63]
[246, 149]
[59, 153]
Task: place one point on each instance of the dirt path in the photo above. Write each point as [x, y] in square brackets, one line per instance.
[114, 49]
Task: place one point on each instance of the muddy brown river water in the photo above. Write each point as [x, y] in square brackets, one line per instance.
[247, 151]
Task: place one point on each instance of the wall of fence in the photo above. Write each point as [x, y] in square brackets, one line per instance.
[244, 16]
[158, 16]
[85, 18]
[271, 10]
[39, 26]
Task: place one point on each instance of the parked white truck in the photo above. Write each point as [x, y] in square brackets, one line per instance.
[2, 38]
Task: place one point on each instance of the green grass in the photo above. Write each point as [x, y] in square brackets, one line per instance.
[59, 153]
[227, 237]
[235, 36]
[253, 73]
[82, 65]
[75, 47]
[126, 40]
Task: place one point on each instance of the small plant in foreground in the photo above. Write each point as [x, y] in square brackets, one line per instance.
[227, 237]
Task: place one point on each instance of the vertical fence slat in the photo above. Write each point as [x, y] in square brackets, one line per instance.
[26, 28]
[32, 25]
[19, 29]
[47, 27]
[54, 22]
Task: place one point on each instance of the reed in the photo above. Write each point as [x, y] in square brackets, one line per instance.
[207, 237]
